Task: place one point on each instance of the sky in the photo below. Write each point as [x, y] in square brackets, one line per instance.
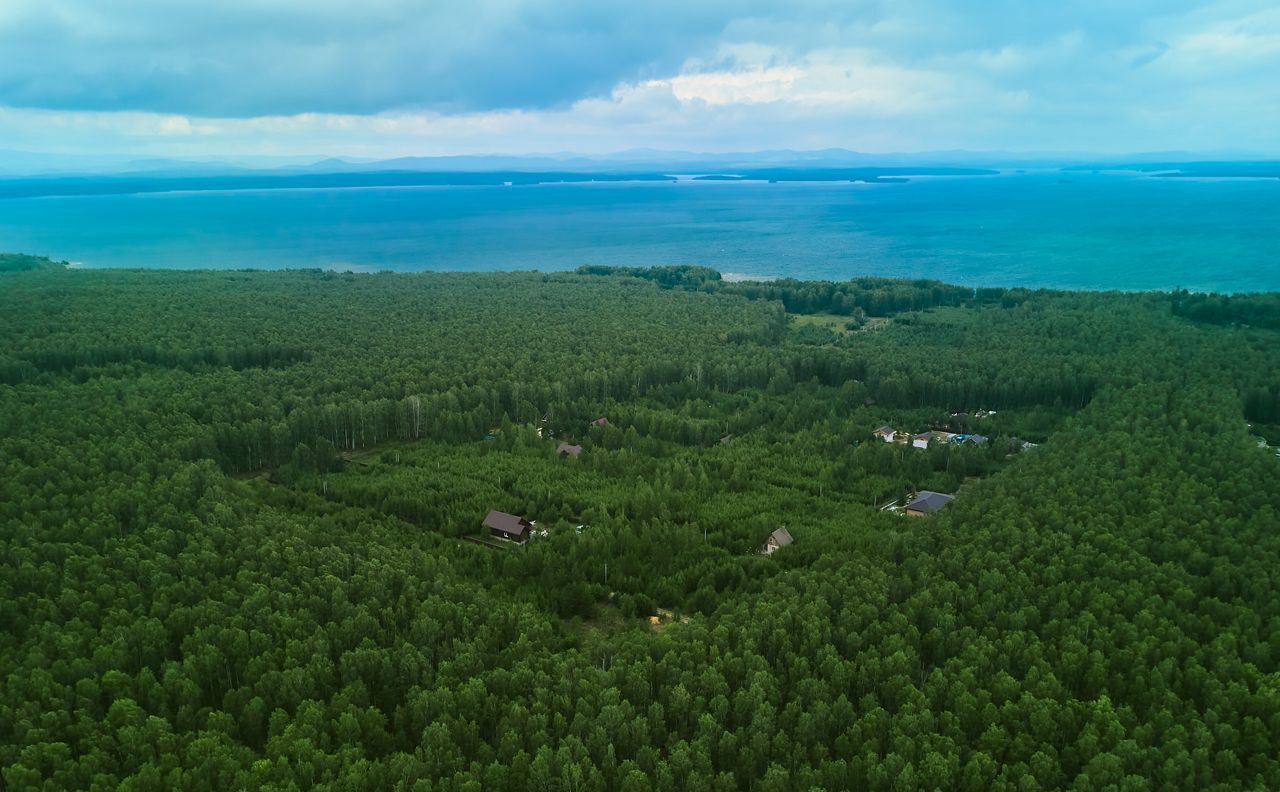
[385, 78]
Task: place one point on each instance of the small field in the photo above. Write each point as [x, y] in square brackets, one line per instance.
[805, 325]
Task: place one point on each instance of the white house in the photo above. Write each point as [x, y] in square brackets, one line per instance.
[778, 539]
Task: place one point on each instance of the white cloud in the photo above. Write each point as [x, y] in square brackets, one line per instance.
[927, 75]
[1248, 42]
[751, 86]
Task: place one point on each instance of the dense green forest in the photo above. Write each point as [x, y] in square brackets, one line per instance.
[242, 543]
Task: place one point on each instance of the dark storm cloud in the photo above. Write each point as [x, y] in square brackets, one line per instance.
[244, 58]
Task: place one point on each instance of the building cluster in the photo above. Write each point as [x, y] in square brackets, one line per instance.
[515, 528]
[931, 437]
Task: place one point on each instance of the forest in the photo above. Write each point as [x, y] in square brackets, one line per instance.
[242, 538]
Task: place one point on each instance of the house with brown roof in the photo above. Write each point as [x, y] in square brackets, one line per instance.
[601, 421]
[886, 433]
[565, 449]
[922, 440]
[927, 502]
[508, 526]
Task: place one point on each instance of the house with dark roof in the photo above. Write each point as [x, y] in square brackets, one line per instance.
[780, 538]
[922, 440]
[927, 502]
[565, 449]
[508, 526]
[886, 433]
[975, 439]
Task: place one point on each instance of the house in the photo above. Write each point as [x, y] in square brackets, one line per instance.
[565, 449]
[601, 421]
[926, 502]
[975, 439]
[886, 433]
[778, 539]
[508, 526]
[922, 440]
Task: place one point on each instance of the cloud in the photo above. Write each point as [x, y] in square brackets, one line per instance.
[260, 57]
[1248, 43]
[389, 77]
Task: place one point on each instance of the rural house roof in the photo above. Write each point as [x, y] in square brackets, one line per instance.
[509, 524]
[929, 502]
[885, 430]
[566, 448]
[781, 537]
[601, 421]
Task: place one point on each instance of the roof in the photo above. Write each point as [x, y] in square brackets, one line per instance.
[885, 430]
[924, 436]
[929, 502]
[566, 448]
[601, 421]
[781, 537]
[508, 524]
[977, 439]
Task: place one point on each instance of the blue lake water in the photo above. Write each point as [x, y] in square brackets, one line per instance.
[1091, 231]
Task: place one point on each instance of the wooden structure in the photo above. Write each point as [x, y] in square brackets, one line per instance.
[508, 526]
[777, 540]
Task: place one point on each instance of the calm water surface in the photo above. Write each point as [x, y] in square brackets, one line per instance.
[1045, 229]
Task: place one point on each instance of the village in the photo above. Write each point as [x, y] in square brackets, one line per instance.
[512, 529]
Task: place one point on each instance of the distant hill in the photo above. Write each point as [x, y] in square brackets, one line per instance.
[19, 262]
[128, 185]
[1257, 169]
[260, 180]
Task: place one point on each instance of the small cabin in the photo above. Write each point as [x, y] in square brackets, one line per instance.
[927, 502]
[777, 540]
[508, 526]
[922, 440]
[566, 449]
[601, 421]
[886, 433]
